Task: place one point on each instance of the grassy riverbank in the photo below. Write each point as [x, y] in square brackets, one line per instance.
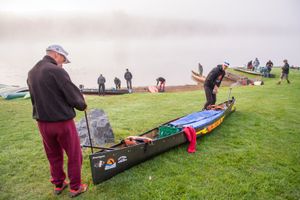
[254, 154]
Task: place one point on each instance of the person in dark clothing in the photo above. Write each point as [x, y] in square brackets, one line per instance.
[117, 82]
[213, 82]
[269, 66]
[101, 83]
[285, 72]
[250, 65]
[162, 82]
[200, 68]
[128, 78]
[53, 98]
[256, 64]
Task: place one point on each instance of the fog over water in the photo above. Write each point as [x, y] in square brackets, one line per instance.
[152, 39]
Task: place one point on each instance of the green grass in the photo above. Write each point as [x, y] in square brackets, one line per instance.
[254, 154]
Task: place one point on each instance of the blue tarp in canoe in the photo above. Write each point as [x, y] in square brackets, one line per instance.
[198, 119]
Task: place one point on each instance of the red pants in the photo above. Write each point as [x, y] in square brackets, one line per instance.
[59, 137]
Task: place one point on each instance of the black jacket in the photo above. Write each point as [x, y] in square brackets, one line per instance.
[269, 64]
[160, 79]
[117, 81]
[214, 77]
[101, 80]
[53, 95]
[128, 76]
[286, 68]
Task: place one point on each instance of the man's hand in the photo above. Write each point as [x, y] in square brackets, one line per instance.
[215, 90]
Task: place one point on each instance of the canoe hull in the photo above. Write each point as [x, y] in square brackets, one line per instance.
[107, 92]
[247, 71]
[108, 163]
[16, 95]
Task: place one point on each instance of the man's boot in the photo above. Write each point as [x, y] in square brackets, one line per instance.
[288, 81]
[278, 82]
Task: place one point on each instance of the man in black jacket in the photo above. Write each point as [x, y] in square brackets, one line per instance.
[269, 66]
[54, 97]
[285, 72]
[101, 82]
[128, 78]
[213, 82]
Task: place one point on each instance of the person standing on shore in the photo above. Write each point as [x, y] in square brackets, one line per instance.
[101, 83]
[250, 65]
[256, 64]
[128, 78]
[285, 72]
[269, 66]
[213, 82]
[200, 69]
[117, 82]
[53, 98]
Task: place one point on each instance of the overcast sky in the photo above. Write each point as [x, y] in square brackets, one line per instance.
[156, 34]
[223, 11]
